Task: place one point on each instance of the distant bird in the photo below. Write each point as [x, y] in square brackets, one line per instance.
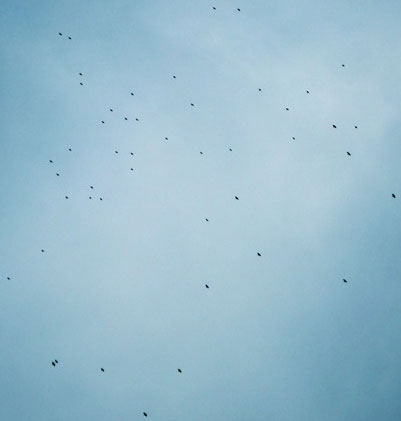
[132, 94]
[355, 127]
[125, 118]
[70, 149]
[343, 65]
[179, 370]
[259, 255]
[260, 90]
[307, 92]
[56, 361]
[145, 414]
[132, 169]
[42, 251]
[192, 105]
[53, 364]
[348, 153]
[50, 161]
[69, 37]
[207, 220]
[174, 77]
[214, 8]
[58, 175]
[66, 197]
[132, 153]
[166, 138]
[115, 151]
[91, 187]
[393, 195]
[239, 10]
[81, 83]
[201, 153]
[102, 369]
[102, 122]
[100, 198]
[293, 138]
[230, 150]
[111, 109]
[345, 281]
[90, 197]
[137, 119]
[334, 126]
[8, 278]
[60, 34]
[80, 74]
[207, 286]
[287, 109]
[236, 197]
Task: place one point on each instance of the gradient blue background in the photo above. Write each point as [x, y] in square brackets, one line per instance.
[121, 282]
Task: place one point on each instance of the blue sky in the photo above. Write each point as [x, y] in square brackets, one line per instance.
[120, 284]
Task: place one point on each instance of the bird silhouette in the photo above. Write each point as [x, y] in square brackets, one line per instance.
[70, 149]
[174, 77]
[394, 196]
[137, 119]
[345, 281]
[102, 122]
[60, 34]
[125, 118]
[230, 150]
[343, 65]
[42, 251]
[239, 10]
[111, 110]
[348, 153]
[334, 126]
[51, 162]
[207, 220]
[260, 90]
[214, 8]
[355, 127]
[287, 109]
[102, 369]
[145, 414]
[201, 153]
[80, 74]
[293, 138]
[166, 138]
[53, 364]
[56, 361]
[8, 278]
[81, 83]
[192, 105]
[132, 94]
[259, 254]
[66, 197]
[100, 198]
[90, 197]
[91, 187]
[179, 370]
[236, 197]
[58, 175]
[69, 38]
[132, 153]
[115, 151]
[307, 92]
[132, 169]
[207, 286]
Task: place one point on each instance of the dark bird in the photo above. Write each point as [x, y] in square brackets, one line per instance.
[58, 175]
[343, 65]
[207, 286]
[90, 197]
[201, 153]
[230, 150]
[111, 109]
[42, 251]
[179, 370]
[345, 281]
[293, 138]
[214, 8]
[132, 94]
[132, 169]
[307, 92]
[8, 278]
[125, 118]
[145, 414]
[100, 198]
[137, 119]
[70, 149]
[60, 34]
[66, 197]
[174, 77]
[355, 127]
[80, 74]
[334, 126]
[349, 153]
[50, 161]
[236, 197]
[166, 138]
[69, 38]
[239, 10]
[260, 90]
[53, 364]
[192, 105]
[207, 220]
[393, 195]
[91, 187]
[259, 254]
[287, 109]
[102, 369]
[102, 122]
[56, 361]
[115, 151]
[81, 83]
[132, 153]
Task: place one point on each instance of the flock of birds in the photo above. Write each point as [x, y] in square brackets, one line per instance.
[91, 187]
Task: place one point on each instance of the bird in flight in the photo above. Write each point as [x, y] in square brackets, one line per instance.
[260, 90]
[345, 281]
[393, 195]
[102, 369]
[207, 220]
[355, 127]
[287, 109]
[179, 370]
[53, 364]
[111, 109]
[237, 197]
[145, 414]
[307, 92]
[334, 126]
[343, 65]
[207, 286]
[132, 94]
[259, 254]
[239, 10]
[192, 105]
[348, 153]
[166, 138]
[293, 138]
[214, 8]
[60, 34]
[125, 118]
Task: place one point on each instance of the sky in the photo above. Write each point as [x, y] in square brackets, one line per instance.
[121, 282]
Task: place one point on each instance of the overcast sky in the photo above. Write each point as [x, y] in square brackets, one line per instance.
[121, 281]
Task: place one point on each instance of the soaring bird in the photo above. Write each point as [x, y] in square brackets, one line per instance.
[102, 122]
[132, 169]
[345, 281]
[60, 34]
[236, 197]
[8, 278]
[293, 138]
[42, 251]
[53, 364]
[207, 286]
[287, 109]
[81, 83]
[260, 90]
[111, 109]
[69, 38]
[80, 74]
[70, 149]
[132, 153]
[343, 65]
[230, 150]
[137, 119]
[145, 414]
[334, 126]
[91, 187]
[66, 197]
[58, 175]
[56, 361]
[259, 254]
[132, 94]
[115, 151]
[214, 8]
[166, 138]
[239, 10]
[207, 220]
[192, 105]
[102, 369]
[179, 370]
[50, 161]
[355, 127]
[174, 77]
[201, 153]
[349, 153]
[90, 197]
[125, 118]
[100, 198]
[307, 92]
[393, 195]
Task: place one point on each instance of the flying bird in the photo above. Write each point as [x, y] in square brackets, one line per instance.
[343, 65]
[80, 74]
[56, 361]
[8, 278]
[214, 8]
[230, 150]
[50, 161]
[53, 364]
[70, 149]
[132, 153]
[236, 197]
[239, 10]
[207, 220]
[66, 197]
[125, 118]
[100, 198]
[293, 138]
[334, 126]
[137, 119]
[174, 77]
[287, 109]
[307, 92]
[132, 94]
[260, 90]
[179, 370]
[90, 197]
[102, 122]
[166, 138]
[393, 195]
[207, 286]
[345, 281]
[42, 251]
[102, 369]
[192, 105]
[259, 254]
[91, 187]
[60, 34]
[145, 414]
[81, 83]
[111, 109]
[132, 169]
[349, 153]
[69, 37]
[201, 153]
[115, 151]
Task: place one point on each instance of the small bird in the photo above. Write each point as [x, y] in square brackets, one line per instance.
[132, 94]
[90, 197]
[102, 369]
[259, 254]
[115, 151]
[81, 83]
[236, 197]
[56, 361]
[91, 187]
[137, 119]
[60, 34]
[125, 118]
[132, 153]
[230, 150]
[70, 149]
[80, 74]
[145, 414]
[192, 105]
[394, 196]
[214, 8]
[343, 65]
[132, 169]
[8, 278]
[42, 251]
[355, 127]
[239, 10]
[111, 110]
[349, 153]
[69, 38]
[51, 162]
[66, 197]
[334, 126]
[100, 198]
[307, 92]
[207, 286]
[102, 122]
[207, 220]
[293, 138]
[287, 109]
[58, 175]
[174, 77]
[166, 138]
[179, 370]
[201, 153]
[260, 90]
[345, 281]
[53, 364]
